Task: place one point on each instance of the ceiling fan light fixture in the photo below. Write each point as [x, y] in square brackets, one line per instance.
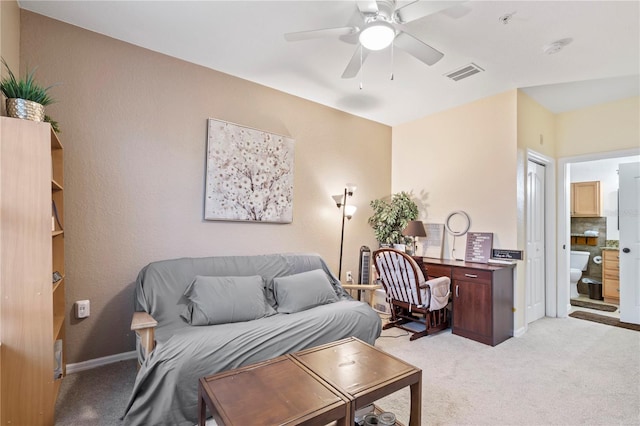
[377, 35]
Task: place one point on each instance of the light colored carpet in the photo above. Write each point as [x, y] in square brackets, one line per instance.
[97, 396]
[561, 372]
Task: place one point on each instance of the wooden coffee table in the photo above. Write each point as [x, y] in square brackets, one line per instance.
[364, 373]
[280, 391]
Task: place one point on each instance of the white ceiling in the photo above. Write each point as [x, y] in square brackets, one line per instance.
[245, 39]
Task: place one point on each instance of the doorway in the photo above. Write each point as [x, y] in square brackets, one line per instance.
[540, 278]
[591, 162]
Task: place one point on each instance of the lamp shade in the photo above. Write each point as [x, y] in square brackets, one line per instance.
[349, 211]
[415, 228]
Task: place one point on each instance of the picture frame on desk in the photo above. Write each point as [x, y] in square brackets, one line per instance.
[433, 244]
[479, 246]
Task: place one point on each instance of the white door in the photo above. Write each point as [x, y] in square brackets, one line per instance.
[629, 214]
[535, 242]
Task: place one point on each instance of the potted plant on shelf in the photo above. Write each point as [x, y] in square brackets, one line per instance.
[391, 216]
[25, 98]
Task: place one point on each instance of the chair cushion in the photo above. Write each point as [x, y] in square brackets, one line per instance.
[397, 275]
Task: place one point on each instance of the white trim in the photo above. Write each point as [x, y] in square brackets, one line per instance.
[519, 332]
[564, 219]
[601, 156]
[550, 226]
[99, 362]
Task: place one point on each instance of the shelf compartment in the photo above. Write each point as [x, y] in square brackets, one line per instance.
[56, 387]
[583, 240]
[58, 322]
[55, 186]
[58, 284]
[55, 142]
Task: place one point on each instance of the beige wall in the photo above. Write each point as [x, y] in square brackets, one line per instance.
[10, 34]
[9, 39]
[611, 126]
[536, 133]
[465, 159]
[462, 159]
[134, 130]
[536, 126]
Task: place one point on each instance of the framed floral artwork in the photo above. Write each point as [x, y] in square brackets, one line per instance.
[249, 174]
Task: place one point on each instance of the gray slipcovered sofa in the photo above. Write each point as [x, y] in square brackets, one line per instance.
[177, 294]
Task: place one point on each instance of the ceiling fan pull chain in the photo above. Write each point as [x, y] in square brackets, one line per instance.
[361, 66]
[392, 58]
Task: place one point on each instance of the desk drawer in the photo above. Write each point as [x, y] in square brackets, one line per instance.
[474, 275]
[436, 271]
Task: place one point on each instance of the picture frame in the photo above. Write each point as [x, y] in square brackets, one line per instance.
[249, 174]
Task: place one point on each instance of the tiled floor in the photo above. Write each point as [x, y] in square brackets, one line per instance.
[585, 298]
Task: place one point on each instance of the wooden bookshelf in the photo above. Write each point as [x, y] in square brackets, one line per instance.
[32, 307]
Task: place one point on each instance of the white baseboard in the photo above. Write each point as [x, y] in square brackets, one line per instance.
[99, 362]
[519, 332]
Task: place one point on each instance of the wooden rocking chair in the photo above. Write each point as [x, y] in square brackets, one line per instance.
[417, 305]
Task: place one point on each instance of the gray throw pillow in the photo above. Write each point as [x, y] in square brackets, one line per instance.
[220, 300]
[295, 293]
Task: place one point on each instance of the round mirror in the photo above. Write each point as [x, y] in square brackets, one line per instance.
[457, 223]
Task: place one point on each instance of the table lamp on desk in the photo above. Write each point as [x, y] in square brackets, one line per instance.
[415, 228]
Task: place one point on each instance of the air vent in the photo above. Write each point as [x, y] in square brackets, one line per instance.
[464, 72]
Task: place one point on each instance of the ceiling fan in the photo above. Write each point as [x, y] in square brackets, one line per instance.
[382, 24]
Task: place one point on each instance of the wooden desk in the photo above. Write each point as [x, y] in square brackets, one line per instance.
[482, 298]
[364, 373]
[280, 391]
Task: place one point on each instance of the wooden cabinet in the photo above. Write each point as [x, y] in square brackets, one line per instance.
[586, 199]
[472, 304]
[611, 276]
[482, 298]
[32, 309]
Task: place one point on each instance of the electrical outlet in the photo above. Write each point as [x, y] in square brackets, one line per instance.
[349, 277]
[83, 308]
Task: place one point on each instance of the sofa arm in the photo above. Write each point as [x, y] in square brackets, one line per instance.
[144, 325]
[370, 287]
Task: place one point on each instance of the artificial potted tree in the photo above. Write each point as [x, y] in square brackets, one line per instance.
[390, 216]
[25, 98]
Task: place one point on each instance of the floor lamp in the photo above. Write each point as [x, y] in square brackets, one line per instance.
[347, 212]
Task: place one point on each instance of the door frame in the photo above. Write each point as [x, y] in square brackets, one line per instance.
[549, 232]
[564, 221]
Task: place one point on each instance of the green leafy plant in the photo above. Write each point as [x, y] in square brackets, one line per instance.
[26, 88]
[391, 216]
[54, 124]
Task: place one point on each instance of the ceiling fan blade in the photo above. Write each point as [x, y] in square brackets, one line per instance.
[367, 7]
[419, 9]
[353, 67]
[327, 32]
[417, 48]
